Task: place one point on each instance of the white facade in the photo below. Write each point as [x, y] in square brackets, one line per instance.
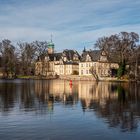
[101, 68]
[66, 69]
[84, 68]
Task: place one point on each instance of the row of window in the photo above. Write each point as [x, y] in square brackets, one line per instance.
[86, 72]
[68, 66]
[102, 72]
[68, 71]
[87, 65]
[91, 64]
[61, 66]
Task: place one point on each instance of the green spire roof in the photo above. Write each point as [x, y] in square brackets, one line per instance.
[50, 44]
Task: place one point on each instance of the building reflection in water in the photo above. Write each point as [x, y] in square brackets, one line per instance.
[57, 91]
[95, 92]
[118, 104]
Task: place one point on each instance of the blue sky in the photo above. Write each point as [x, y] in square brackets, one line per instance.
[73, 23]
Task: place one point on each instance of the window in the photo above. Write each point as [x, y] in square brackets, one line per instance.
[87, 71]
[81, 72]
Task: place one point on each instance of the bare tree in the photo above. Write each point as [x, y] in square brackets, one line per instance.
[121, 45]
[8, 58]
[125, 44]
[27, 58]
[41, 47]
[134, 63]
[41, 52]
[94, 73]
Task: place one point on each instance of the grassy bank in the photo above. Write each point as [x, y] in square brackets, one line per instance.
[71, 77]
[25, 77]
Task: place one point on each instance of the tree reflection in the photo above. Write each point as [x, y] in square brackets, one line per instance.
[27, 97]
[117, 104]
[7, 96]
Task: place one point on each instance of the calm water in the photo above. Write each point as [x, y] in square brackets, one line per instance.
[54, 110]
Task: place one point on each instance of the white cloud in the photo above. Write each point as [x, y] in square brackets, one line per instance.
[72, 23]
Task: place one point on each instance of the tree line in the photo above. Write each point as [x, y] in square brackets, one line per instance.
[20, 59]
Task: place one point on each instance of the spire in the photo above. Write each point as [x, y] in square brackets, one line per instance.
[84, 49]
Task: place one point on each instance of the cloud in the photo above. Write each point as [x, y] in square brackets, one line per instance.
[73, 24]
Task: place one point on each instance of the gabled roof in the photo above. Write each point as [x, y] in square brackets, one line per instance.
[70, 54]
[41, 57]
[52, 57]
[71, 63]
[112, 58]
[55, 56]
[94, 54]
[68, 63]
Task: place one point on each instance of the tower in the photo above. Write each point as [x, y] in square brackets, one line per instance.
[84, 49]
[50, 47]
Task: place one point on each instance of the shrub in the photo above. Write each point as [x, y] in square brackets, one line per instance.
[121, 70]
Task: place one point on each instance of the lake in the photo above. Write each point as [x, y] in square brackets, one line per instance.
[56, 110]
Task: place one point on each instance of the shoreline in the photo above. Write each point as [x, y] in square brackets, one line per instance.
[74, 78]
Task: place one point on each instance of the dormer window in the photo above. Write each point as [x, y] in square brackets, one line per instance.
[88, 58]
[61, 61]
[54, 58]
[46, 58]
[75, 57]
[103, 58]
[65, 58]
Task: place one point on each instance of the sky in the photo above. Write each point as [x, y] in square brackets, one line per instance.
[73, 24]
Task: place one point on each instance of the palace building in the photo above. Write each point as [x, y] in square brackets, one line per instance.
[98, 62]
[69, 62]
[51, 64]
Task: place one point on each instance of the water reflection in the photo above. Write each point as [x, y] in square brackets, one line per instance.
[7, 96]
[57, 91]
[117, 104]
